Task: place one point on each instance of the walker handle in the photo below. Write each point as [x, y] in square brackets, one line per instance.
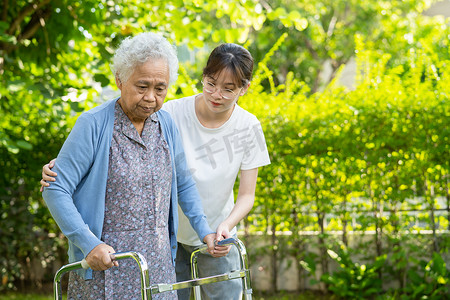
[225, 242]
[229, 241]
[138, 258]
[85, 265]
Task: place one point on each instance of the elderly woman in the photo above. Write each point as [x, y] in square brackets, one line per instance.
[121, 173]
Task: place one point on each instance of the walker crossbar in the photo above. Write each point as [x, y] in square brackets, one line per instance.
[163, 287]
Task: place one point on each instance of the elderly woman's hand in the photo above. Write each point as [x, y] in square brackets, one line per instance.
[99, 259]
[47, 174]
[210, 242]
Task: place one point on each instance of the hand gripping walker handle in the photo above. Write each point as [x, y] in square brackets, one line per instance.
[136, 256]
[243, 273]
[85, 265]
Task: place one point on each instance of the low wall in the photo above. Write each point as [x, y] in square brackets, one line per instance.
[290, 278]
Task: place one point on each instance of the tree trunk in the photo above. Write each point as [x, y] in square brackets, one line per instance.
[298, 251]
[274, 261]
[344, 220]
[447, 196]
[322, 245]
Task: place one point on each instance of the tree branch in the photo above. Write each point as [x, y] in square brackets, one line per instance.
[37, 20]
[2, 62]
[311, 48]
[335, 65]
[266, 6]
[5, 10]
[331, 26]
[27, 10]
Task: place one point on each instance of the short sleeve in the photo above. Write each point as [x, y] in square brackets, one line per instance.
[256, 154]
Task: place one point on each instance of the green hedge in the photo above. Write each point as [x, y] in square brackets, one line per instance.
[375, 158]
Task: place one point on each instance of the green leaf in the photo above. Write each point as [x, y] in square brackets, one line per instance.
[76, 106]
[8, 38]
[24, 145]
[3, 26]
[104, 80]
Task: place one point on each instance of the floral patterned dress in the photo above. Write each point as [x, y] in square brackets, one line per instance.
[136, 213]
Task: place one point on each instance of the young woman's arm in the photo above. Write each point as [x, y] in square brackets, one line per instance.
[244, 202]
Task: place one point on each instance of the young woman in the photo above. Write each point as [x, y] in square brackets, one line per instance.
[220, 140]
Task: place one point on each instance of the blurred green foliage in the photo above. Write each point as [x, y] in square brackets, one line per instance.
[342, 160]
[372, 159]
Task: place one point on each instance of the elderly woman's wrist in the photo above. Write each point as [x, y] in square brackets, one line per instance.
[205, 237]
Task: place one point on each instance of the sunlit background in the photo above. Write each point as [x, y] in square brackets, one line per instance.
[353, 97]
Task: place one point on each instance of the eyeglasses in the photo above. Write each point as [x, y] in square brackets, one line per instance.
[210, 87]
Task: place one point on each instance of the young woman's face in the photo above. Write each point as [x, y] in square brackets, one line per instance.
[215, 87]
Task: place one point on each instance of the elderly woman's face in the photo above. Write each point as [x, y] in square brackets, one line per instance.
[145, 91]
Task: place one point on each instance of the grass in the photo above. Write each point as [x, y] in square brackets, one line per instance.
[256, 296]
[21, 296]
[308, 295]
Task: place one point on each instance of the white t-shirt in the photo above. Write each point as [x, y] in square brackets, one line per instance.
[215, 156]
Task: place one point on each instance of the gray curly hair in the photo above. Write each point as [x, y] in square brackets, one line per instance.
[138, 49]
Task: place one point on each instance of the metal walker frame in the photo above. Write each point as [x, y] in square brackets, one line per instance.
[148, 290]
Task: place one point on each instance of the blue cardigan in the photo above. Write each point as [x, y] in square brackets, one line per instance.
[76, 199]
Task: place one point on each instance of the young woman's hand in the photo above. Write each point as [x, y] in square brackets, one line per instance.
[222, 232]
[213, 249]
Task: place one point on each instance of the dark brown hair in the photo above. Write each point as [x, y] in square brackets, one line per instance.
[233, 57]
